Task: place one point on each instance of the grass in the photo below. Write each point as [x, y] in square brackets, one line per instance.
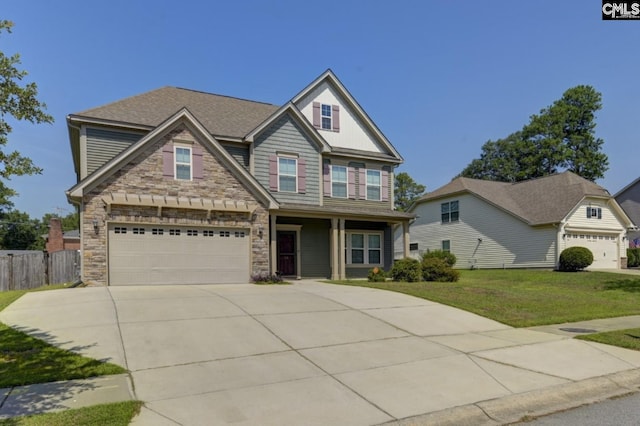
[26, 360]
[525, 298]
[116, 414]
[629, 338]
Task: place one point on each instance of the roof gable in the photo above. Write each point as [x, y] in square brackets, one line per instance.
[185, 117]
[538, 201]
[358, 131]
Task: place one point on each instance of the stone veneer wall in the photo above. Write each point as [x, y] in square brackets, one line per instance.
[144, 176]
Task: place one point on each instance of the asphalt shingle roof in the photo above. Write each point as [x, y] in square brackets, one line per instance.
[537, 201]
[221, 115]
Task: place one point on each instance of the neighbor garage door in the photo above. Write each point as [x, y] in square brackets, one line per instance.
[603, 247]
[151, 254]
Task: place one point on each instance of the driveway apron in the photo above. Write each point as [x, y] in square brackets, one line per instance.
[307, 353]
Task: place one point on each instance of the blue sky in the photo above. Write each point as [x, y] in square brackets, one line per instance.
[439, 78]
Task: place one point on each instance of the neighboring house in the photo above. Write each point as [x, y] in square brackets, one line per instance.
[520, 225]
[629, 199]
[57, 240]
[179, 186]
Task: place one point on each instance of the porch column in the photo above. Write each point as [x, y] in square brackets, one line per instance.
[406, 239]
[335, 267]
[341, 248]
[272, 244]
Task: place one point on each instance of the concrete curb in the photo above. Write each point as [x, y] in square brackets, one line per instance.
[514, 408]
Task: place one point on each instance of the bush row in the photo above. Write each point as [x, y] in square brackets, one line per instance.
[435, 265]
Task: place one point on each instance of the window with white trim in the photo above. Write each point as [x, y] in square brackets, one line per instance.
[374, 185]
[594, 212]
[364, 248]
[325, 116]
[287, 174]
[182, 163]
[446, 245]
[339, 182]
[450, 212]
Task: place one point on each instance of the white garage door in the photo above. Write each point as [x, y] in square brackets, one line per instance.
[152, 254]
[603, 247]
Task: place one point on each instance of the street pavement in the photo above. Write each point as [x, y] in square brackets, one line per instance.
[313, 353]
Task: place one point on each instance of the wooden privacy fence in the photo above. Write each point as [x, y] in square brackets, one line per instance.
[30, 270]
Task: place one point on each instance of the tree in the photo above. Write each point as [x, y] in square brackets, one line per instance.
[406, 191]
[21, 103]
[561, 137]
[19, 232]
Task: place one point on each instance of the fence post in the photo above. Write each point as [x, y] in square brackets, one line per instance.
[11, 283]
[47, 267]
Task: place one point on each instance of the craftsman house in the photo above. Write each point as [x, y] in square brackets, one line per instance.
[177, 186]
[521, 225]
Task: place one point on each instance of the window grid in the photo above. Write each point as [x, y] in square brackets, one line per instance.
[364, 248]
[192, 232]
[157, 231]
[287, 174]
[450, 212]
[339, 182]
[175, 232]
[374, 185]
[183, 163]
[138, 231]
[326, 116]
[120, 230]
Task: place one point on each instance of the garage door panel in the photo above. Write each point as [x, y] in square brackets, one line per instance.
[603, 247]
[177, 255]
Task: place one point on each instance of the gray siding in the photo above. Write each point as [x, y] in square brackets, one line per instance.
[629, 200]
[286, 137]
[103, 145]
[314, 242]
[484, 237]
[239, 152]
[351, 202]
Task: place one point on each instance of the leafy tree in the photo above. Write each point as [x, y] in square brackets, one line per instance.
[21, 103]
[19, 232]
[406, 191]
[561, 137]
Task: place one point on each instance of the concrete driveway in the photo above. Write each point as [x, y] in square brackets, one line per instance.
[313, 353]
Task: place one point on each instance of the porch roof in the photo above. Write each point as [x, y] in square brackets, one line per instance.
[355, 213]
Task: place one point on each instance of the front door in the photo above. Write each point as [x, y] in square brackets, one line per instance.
[287, 252]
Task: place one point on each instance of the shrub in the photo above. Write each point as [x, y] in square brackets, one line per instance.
[376, 275]
[406, 269]
[447, 256]
[575, 258]
[436, 269]
[266, 278]
[633, 257]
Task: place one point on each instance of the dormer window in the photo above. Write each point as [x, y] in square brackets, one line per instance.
[325, 111]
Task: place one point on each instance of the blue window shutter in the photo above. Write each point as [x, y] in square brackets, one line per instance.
[197, 162]
[167, 160]
[302, 176]
[316, 115]
[335, 118]
[273, 173]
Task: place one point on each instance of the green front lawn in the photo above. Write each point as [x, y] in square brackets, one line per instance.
[116, 414]
[26, 360]
[525, 298]
[629, 338]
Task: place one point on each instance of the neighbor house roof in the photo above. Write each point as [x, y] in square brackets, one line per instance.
[222, 116]
[537, 201]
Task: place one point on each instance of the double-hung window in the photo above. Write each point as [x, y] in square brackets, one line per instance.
[339, 181]
[182, 163]
[325, 115]
[364, 248]
[594, 212]
[450, 212]
[374, 184]
[287, 174]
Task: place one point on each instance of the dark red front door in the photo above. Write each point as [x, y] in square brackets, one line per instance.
[287, 252]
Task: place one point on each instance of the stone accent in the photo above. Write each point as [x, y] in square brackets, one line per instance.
[623, 263]
[143, 175]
